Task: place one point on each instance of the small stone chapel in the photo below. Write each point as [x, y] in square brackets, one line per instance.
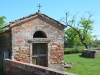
[36, 39]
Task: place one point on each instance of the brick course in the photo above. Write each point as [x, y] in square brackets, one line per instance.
[20, 68]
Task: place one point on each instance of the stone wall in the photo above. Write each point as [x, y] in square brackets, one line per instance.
[5, 46]
[19, 68]
[91, 53]
[23, 32]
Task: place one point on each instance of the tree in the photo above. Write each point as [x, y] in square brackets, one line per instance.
[83, 28]
[70, 37]
[2, 22]
[77, 41]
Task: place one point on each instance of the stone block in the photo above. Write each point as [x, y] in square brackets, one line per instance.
[91, 53]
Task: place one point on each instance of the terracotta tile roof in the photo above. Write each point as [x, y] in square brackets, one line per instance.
[15, 22]
[21, 19]
[31, 16]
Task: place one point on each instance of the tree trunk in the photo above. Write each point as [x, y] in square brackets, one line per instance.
[86, 46]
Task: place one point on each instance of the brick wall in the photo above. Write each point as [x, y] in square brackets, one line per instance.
[24, 31]
[18, 68]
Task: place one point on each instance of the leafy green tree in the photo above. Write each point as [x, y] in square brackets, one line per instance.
[83, 28]
[2, 22]
[77, 41]
[70, 37]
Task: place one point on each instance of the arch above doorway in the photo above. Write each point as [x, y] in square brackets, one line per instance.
[39, 34]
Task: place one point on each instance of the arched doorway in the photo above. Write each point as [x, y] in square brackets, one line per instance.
[39, 50]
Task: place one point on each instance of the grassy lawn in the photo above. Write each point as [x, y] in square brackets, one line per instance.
[83, 66]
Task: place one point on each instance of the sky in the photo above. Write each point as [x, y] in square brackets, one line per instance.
[56, 9]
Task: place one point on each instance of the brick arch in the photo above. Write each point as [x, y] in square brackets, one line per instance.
[41, 28]
[39, 34]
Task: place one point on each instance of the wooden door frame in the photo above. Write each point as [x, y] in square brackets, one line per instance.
[38, 55]
[48, 48]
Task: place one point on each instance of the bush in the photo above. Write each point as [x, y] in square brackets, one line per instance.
[72, 51]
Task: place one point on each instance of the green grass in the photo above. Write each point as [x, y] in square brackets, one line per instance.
[82, 66]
